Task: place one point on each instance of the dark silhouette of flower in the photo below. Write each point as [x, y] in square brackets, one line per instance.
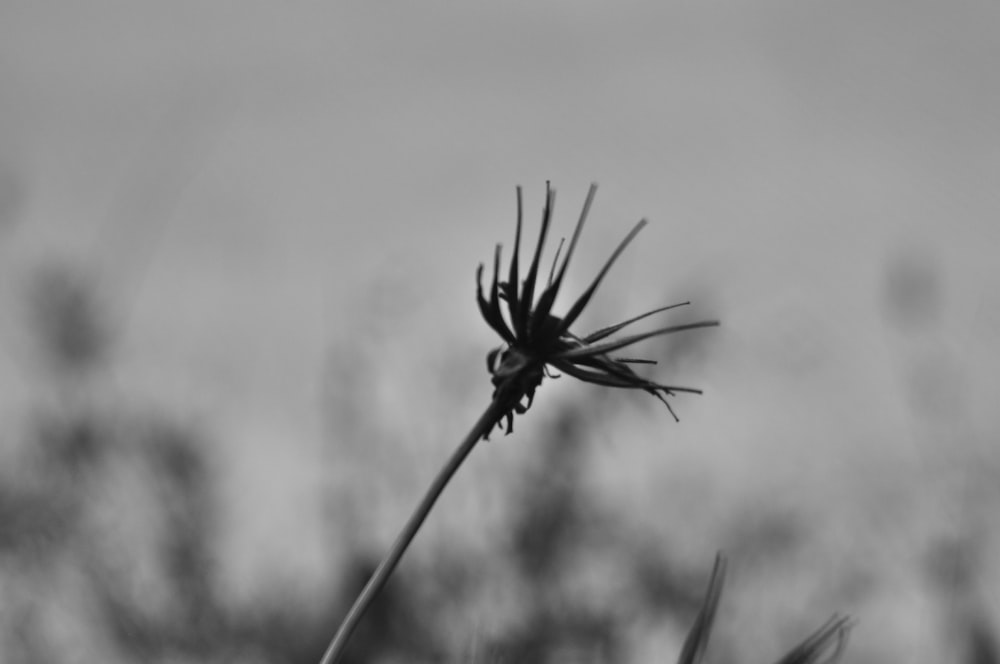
[535, 338]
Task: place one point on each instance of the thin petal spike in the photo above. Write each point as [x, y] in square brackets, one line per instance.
[495, 296]
[611, 381]
[513, 278]
[584, 299]
[609, 346]
[665, 403]
[617, 380]
[492, 318]
[576, 232]
[596, 366]
[495, 288]
[552, 270]
[595, 377]
[528, 295]
[548, 297]
[625, 374]
[611, 329]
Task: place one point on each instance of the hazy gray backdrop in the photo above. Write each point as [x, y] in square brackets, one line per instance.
[279, 208]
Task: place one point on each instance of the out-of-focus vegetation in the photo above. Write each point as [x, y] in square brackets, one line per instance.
[109, 516]
[110, 540]
[111, 523]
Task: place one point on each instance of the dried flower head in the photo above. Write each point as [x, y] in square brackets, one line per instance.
[534, 338]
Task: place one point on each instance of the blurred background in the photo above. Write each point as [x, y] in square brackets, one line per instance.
[237, 248]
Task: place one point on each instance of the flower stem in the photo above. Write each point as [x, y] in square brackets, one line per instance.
[381, 575]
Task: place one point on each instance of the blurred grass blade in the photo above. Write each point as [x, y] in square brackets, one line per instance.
[697, 639]
[825, 645]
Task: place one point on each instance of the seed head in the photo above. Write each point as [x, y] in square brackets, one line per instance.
[535, 339]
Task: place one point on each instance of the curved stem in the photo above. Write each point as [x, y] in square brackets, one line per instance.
[381, 575]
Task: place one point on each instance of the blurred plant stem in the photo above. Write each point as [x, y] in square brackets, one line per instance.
[487, 421]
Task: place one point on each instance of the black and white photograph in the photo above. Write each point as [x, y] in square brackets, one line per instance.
[500, 333]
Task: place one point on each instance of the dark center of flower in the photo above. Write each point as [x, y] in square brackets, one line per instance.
[511, 363]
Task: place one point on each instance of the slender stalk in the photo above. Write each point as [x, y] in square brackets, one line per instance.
[381, 575]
